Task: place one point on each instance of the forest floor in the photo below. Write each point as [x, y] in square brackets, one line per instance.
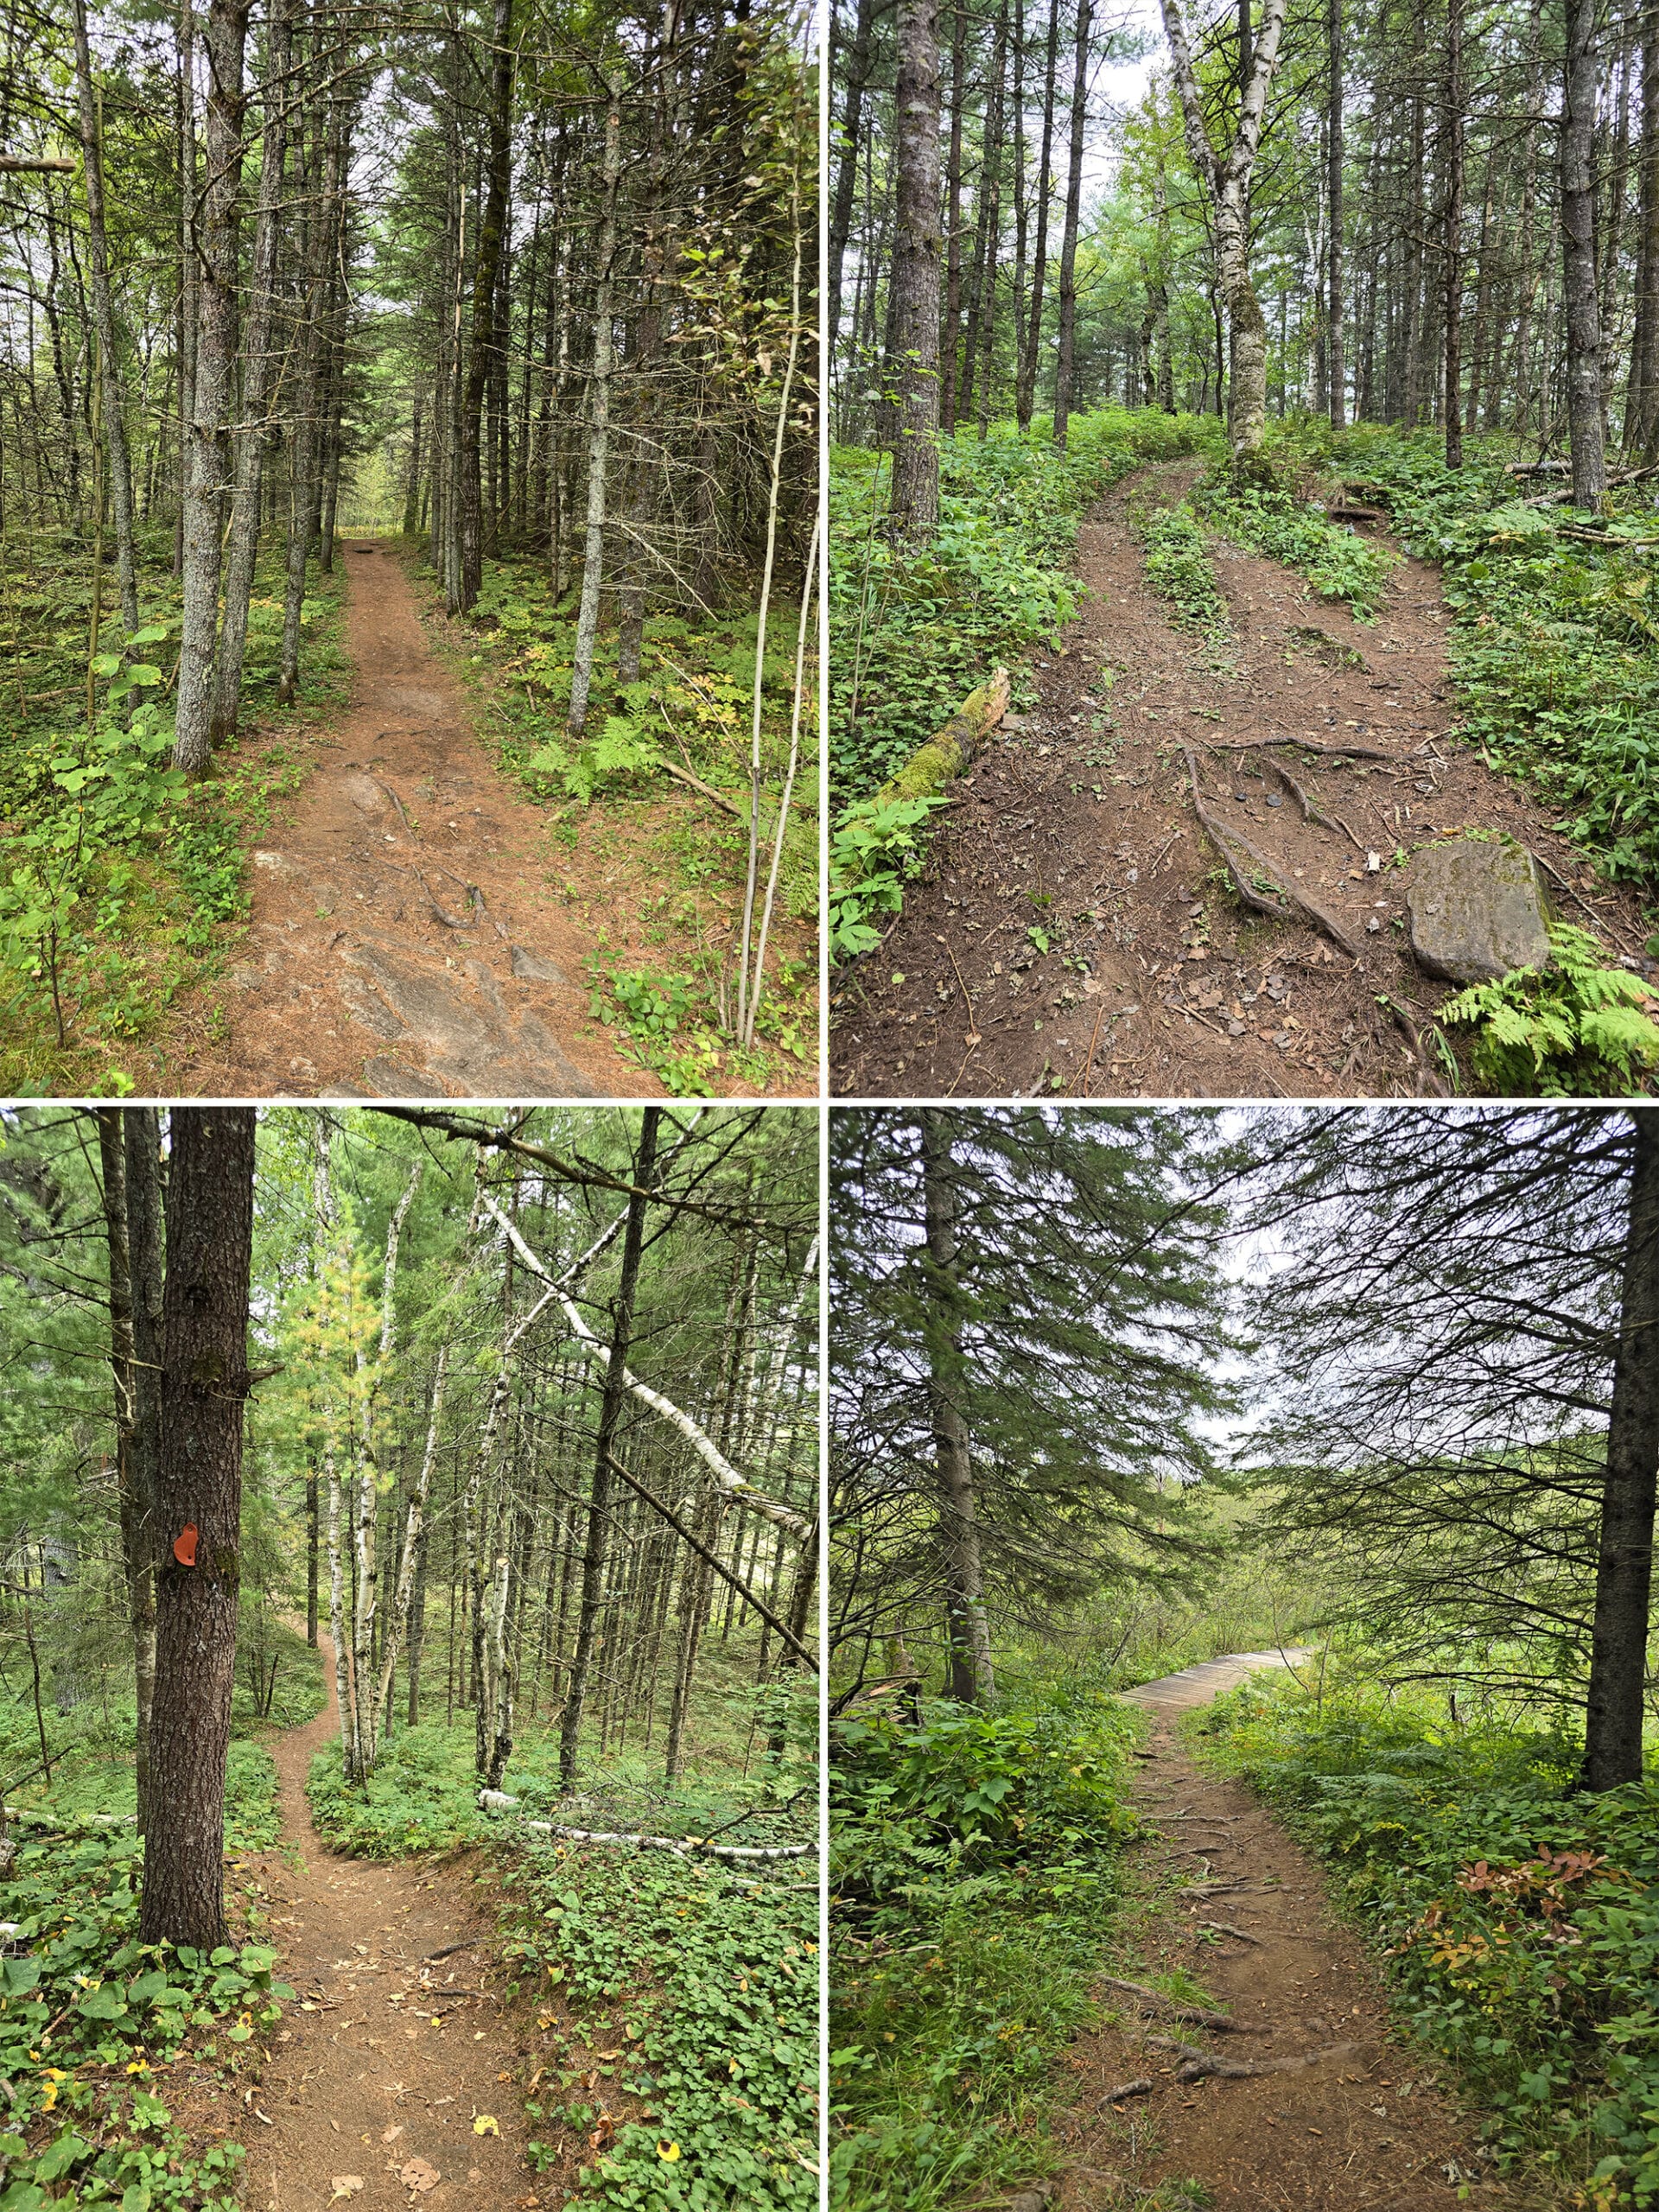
[388, 2057]
[407, 937]
[1356, 2121]
[1068, 933]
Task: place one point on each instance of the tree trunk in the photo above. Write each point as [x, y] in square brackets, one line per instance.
[599, 425]
[856, 81]
[971, 1677]
[1336, 363]
[255, 437]
[109, 366]
[596, 1551]
[1025, 381]
[1642, 412]
[913, 362]
[953, 226]
[1618, 1661]
[207, 444]
[1581, 308]
[485, 339]
[414, 1555]
[204, 1383]
[1451, 237]
[142, 1143]
[1068, 333]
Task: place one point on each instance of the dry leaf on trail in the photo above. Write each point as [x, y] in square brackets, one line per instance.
[487, 2124]
[390, 2134]
[345, 2185]
[419, 2178]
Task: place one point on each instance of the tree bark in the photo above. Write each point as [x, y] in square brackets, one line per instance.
[257, 433]
[856, 81]
[596, 1551]
[1068, 331]
[1642, 411]
[953, 226]
[972, 1680]
[485, 339]
[413, 1557]
[598, 423]
[913, 363]
[1580, 308]
[1451, 237]
[109, 366]
[1336, 363]
[207, 453]
[204, 1384]
[1618, 1661]
[142, 1145]
[1025, 381]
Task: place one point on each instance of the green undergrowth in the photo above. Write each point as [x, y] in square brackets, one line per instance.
[974, 1881]
[1555, 644]
[662, 979]
[1273, 519]
[1518, 1916]
[913, 631]
[91, 2019]
[692, 1987]
[1573, 1029]
[119, 881]
[686, 1986]
[1179, 569]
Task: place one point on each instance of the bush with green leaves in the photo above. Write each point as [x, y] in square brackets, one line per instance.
[88, 2014]
[875, 851]
[1271, 518]
[1518, 1914]
[1574, 1029]
[974, 1878]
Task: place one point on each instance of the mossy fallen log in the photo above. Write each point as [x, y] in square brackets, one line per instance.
[944, 755]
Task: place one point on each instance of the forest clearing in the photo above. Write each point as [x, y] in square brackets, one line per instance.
[410, 1695]
[524, 300]
[1274, 398]
[1243, 1723]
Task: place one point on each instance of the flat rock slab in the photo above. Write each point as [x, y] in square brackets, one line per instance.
[1476, 910]
[1197, 1685]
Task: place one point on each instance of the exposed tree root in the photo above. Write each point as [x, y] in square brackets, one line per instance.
[1301, 744]
[1138, 2088]
[1196, 2013]
[1226, 1928]
[1230, 2070]
[1292, 902]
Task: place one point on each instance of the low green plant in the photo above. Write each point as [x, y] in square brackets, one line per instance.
[668, 1021]
[1179, 569]
[1519, 1916]
[1574, 1029]
[974, 1879]
[1272, 520]
[89, 2019]
[875, 851]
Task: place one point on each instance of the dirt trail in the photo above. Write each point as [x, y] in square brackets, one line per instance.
[1363, 2128]
[1078, 821]
[372, 969]
[382, 2065]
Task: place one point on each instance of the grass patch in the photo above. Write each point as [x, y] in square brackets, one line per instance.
[1518, 1916]
[974, 1876]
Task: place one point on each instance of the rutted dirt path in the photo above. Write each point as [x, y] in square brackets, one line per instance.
[1077, 820]
[404, 940]
[388, 2057]
[1363, 2127]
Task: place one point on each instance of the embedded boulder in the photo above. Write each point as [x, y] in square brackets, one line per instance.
[1476, 910]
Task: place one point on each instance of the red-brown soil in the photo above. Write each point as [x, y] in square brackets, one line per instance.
[1368, 2127]
[1077, 820]
[406, 938]
[387, 2058]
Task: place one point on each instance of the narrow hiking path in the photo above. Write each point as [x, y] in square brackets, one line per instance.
[1077, 820]
[388, 2056]
[405, 938]
[1349, 2119]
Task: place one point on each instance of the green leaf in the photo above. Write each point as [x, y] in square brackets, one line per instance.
[145, 672]
[105, 664]
[104, 2003]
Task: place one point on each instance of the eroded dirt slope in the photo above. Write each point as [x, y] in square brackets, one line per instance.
[1078, 822]
[1350, 2120]
[405, 940]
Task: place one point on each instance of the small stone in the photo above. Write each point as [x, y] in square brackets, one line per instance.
[1476, 910]
[1275, 801]
[1236, 1029]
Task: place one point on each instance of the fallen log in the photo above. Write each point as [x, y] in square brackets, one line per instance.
[497, 1801]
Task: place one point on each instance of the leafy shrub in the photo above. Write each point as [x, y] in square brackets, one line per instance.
[1519, 1917]
[87, 2013]
[873, 852]
[1572, 1029]
[1339, 564]
[973, 1873]
[1179, 567]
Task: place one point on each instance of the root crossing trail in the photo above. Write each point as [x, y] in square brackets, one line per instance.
[385, 2060]
[1350, 2120]
[404, 940]
[1069, 919]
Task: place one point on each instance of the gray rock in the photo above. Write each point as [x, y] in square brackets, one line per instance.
[531, 968]
[1476, 910]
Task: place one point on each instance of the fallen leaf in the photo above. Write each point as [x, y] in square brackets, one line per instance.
[390, 2134]
[669, 2151]
[345, 2185]
[486, 2125]
[419, 2178]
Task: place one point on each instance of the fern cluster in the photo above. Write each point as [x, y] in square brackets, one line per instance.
[1574, 1029]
